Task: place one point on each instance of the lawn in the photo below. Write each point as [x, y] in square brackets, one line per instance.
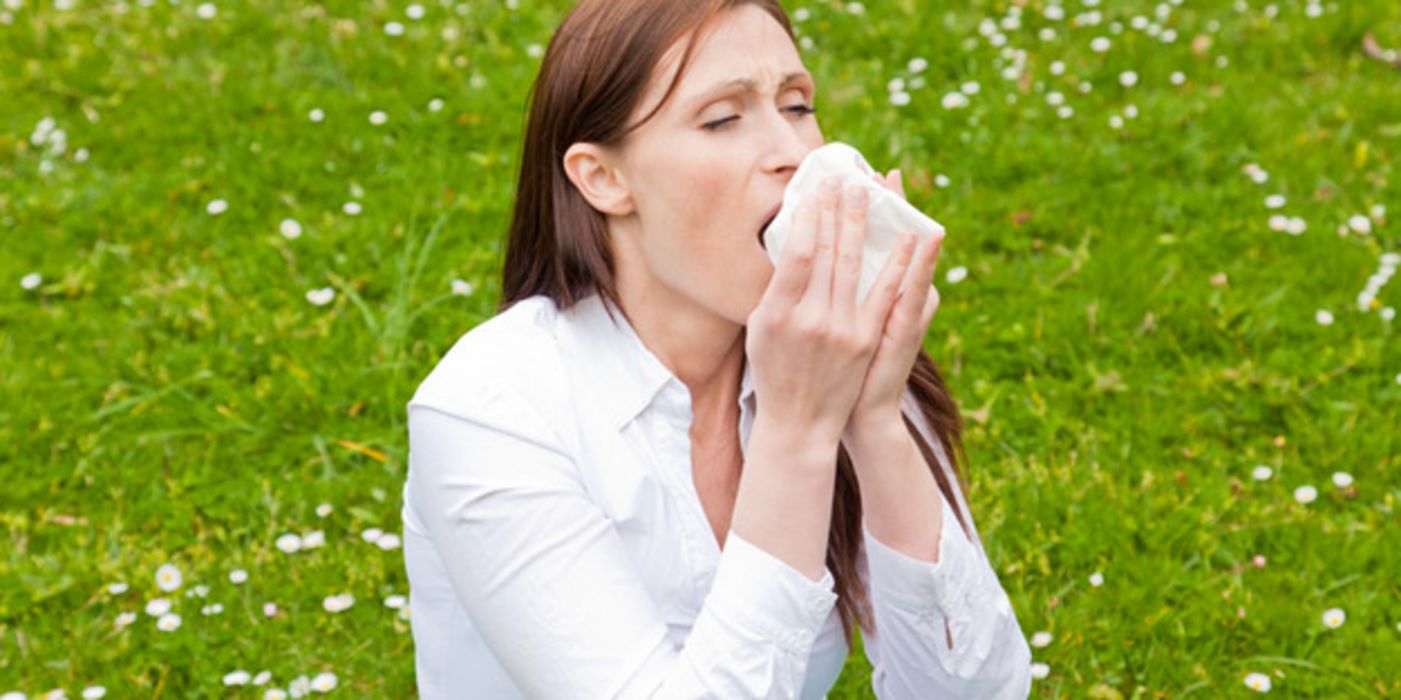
[237, 236]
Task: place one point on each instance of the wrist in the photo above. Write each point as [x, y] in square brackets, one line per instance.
[802, 443]
[874, 432]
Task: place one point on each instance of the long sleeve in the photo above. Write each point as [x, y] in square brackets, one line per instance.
[545, 579]
[919, 606]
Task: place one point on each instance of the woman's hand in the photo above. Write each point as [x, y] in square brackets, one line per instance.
[902, 338]
[809, 341]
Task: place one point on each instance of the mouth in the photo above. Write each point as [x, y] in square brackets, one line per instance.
[773, 214]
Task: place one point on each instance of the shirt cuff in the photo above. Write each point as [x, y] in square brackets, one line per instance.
[950, 585]
[755, 587]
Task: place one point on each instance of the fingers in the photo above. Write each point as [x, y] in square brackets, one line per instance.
[919, 276]
[921, 270]
[877, 304]
[795, 263]
[895, 178]
[851, 241]
[819, 289]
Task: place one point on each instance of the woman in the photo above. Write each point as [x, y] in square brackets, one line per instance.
[668, 468]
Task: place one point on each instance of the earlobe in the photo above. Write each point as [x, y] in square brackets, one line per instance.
[597, 180]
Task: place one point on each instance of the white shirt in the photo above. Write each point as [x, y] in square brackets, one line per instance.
[556, 546]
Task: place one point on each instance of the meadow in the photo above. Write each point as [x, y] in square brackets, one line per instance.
[236, 236]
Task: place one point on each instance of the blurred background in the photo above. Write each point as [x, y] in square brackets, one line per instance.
[236, 235]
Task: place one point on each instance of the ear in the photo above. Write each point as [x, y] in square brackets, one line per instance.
[594, 172]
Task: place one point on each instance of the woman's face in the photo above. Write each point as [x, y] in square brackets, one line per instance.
[697, 195]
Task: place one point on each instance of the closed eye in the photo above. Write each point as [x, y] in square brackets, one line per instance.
[800, 110]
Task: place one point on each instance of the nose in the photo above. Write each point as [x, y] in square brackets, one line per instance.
[784, 146]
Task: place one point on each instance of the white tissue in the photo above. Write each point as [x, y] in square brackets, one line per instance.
[888, 214]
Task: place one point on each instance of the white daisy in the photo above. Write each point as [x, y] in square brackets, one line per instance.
[1295, 225]
[216, 207]
[352, 208]
[316, 114]
[269, 609]
[1116, 121]
[168, 622]
[388, 541]
[324, 682]
[918, 65]
[1177, 77]
[941, 181]
[262, 678]
[1099, 44]
[318, 297]
[239, 677]
[1333, 618]
[1360, 223]
[461, 288]
[378, 117]
[371, 534]
[1275, 201]
[900, 99]
[1040, 670]
[212, 609]
[206, 10]
[238, 576]
[1342, 479]
[275, 694]
[1128, 78]
[338, 603]
[323, 510]
[1057, 67]
[1065, 112]
[956, 275]
[435, 105]
[93, 692]
[954, 100]
[1131, 111]
[395, 601]
[300, 686]
[1041, 639]
[414, 11]
[535, 51]
[292, 542]
[290, 229]
[157, 607]
[1305, 494]
[970, 88]
[1323, 317]
[31, 281]
[1258, 682]
[1261, 472]
[117, 588]
[394, 28]
[125, 618]
[313, 539]
[1097, 579]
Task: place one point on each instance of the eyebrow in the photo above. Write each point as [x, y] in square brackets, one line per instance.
[747, 83]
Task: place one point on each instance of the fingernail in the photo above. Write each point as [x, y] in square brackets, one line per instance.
[831, 185]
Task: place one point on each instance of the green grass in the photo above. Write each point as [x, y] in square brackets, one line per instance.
[168, 394]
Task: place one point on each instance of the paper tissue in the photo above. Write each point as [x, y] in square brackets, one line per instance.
[888, 214]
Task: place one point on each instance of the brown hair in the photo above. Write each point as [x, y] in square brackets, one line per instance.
[593, 75]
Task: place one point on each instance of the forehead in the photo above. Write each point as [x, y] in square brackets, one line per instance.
[743, 43]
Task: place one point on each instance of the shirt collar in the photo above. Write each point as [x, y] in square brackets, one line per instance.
[618, 365]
